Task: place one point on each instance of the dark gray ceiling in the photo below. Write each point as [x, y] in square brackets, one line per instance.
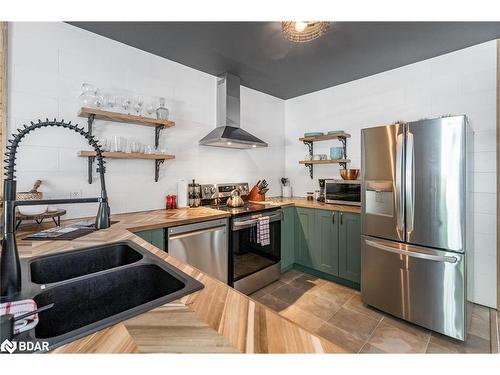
[265, 61]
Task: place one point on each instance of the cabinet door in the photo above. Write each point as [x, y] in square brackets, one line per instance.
[158, 238]
[145, 235]
[155, 237]
[304, 235]
[350, 246]
[326, 242]
[288, 237]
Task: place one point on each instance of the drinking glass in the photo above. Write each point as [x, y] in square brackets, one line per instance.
[106, 145]
[135, 146]
[117, 144]
[150, 109]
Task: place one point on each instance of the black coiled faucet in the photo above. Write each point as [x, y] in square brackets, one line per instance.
[10, 267]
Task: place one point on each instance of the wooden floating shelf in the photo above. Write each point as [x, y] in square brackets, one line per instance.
[338, 161]
[324, 137]
[128, 155]
[99, 114]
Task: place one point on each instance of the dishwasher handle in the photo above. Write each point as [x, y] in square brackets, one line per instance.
[179, 236]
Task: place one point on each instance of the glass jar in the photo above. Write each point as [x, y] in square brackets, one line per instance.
[310, 196]
[88, 97]
[162, 111]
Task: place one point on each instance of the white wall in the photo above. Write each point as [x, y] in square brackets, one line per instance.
[48, 62]
[462, 82]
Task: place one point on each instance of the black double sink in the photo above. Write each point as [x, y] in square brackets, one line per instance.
[95, 287]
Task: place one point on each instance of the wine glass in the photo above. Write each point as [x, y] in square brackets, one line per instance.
[110, 101]
[126, 103]
[138, 103]
[99, 99]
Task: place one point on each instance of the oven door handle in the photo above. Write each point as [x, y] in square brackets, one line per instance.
[271, 218]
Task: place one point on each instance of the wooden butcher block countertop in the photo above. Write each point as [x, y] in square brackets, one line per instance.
[216, 319]
[304, 203]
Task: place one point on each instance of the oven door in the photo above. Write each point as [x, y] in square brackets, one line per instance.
[249, 256]
[343, 192]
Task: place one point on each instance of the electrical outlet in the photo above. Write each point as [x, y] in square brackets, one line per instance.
[77, 194]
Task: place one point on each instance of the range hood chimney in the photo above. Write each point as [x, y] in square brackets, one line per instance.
[228, 132]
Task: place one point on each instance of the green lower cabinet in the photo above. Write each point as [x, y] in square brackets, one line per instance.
[322, 241]
[156, 237]
[350, 247]
[288, 238]
[326, 242]
[304, 235]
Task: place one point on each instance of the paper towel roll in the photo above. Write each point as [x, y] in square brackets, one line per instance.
[182, 194]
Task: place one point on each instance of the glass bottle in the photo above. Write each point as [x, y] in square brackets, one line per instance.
[162, 111]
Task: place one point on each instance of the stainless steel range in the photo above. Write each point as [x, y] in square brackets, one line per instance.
[253, 263]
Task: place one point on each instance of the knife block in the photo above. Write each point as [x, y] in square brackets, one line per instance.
[255, 196]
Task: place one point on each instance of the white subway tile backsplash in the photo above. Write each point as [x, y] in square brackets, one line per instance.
[485, 182]
[37, 158]
[485, 223]
[485, 243]
[485, 141]
[31, 106]
[484, 288]
[485, 161]
[475, 82]
[485, 203]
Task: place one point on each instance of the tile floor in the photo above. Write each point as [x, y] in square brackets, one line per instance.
[336, 313]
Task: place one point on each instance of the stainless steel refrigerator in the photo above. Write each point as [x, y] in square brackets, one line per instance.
[417, 221]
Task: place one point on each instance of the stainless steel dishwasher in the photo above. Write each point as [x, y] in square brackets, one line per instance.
[203, 245]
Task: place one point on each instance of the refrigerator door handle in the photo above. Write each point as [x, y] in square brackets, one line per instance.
[399, 184]
[436, 258]
[410, 182]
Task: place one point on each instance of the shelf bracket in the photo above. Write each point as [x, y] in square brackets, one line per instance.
[343, 140]
[90, 122]
[90, 163]
[311, 173]
[309, 145]
[158, 163]
[158, 129]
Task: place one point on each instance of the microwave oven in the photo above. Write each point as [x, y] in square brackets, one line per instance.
[343, 192]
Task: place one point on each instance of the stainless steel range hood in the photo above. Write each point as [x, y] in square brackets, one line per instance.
[228, 132]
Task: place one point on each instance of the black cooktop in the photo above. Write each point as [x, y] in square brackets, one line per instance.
[245, 209]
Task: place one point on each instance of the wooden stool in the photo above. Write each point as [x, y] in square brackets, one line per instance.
[54, 215]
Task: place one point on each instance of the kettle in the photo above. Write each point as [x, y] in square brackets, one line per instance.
[235, 199]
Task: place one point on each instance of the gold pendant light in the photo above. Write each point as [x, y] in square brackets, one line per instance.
[303, 31]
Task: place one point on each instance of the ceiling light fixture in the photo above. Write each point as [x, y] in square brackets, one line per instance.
[303, 31]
